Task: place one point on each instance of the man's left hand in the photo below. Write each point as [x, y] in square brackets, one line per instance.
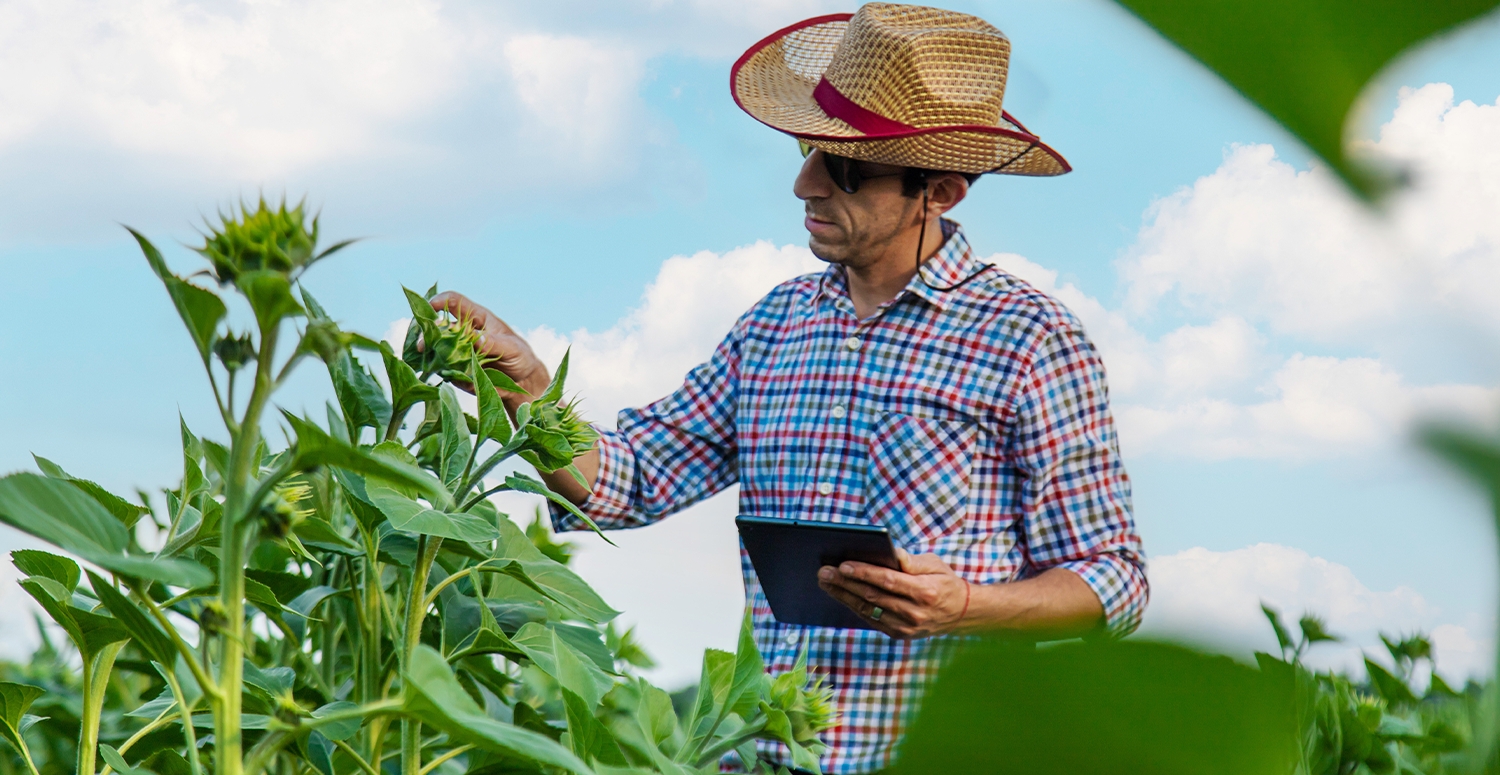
[923, 599]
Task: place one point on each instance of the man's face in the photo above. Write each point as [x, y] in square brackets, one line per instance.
[855, 230]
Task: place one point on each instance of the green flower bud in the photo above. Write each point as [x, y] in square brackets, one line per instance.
[234, 352]
[279, 514]
[277, 240]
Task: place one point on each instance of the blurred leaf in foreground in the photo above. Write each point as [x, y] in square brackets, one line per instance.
[1304, 62]
[1127, 707]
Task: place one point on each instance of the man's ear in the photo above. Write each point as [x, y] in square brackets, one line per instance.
[945, 191]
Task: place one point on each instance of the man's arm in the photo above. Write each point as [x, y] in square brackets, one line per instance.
[927, 598]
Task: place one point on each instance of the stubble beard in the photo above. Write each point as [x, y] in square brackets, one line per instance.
[862, 246]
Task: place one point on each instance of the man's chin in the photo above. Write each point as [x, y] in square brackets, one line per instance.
[827, 253]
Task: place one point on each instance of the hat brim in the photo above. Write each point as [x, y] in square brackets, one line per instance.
[774, 82]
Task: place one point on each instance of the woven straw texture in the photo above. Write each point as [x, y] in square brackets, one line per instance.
[941, 73]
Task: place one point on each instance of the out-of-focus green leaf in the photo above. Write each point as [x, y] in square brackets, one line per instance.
[34, 562]
[318, 534]
[147, 634]
[433, 694]
[113, 758]
[1128, 707]
[89, 632]
[1390, 688]
[15, 700]
[338, 730]
[1283, 638]
[1313, 630]
[555, 657]
[200, 309]
[59, 513]
[749, 674]
[1304, 62]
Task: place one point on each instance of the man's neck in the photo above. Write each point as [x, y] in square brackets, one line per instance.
[881, 280]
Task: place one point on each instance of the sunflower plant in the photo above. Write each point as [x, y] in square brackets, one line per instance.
[349, 600]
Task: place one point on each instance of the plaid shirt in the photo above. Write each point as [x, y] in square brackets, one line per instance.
[973, 423]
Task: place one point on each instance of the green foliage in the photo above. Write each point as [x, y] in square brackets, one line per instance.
[351, 601]
[1304, 62]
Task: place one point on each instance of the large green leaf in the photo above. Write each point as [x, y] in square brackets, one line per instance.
[1128, 707]
[432, 694]
[34, 562]
[128, 513]
[414, 517]
[555, 657]
[59, 513]
[587, 736]
[494, 423]
[454, 439]
[147, 634]
[89, 632]
[316, 447]
[200, 309]
[1304, 62]
[15, 700]
[406, 389]
[360, 396]
[524, 483]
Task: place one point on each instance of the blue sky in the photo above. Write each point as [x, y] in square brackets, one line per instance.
[1268, 353]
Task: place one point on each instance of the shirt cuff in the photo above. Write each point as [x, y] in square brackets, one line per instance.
[609, 504]
[1120, 583]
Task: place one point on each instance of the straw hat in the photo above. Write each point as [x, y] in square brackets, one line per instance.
[895, 84]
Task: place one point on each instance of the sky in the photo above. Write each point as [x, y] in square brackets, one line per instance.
[580, 168]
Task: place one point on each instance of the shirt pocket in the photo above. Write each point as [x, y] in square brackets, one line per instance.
[918, 477]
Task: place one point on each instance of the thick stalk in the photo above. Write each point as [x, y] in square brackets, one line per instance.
[95, 683]
[228, 744]
[369, 662]
[416, 611]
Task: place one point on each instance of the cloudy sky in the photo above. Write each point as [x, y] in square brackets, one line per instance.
[580, 168]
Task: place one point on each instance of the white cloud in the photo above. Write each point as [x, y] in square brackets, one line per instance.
[1215, 598]
[580, 93]
[1293, 252]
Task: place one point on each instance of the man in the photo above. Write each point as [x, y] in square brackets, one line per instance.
[908, 385]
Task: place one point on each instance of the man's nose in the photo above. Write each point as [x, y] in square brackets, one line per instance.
[812, 180]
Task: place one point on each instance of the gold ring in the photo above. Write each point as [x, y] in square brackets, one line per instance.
[875, 613]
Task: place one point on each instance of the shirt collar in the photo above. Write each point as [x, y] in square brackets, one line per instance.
[952, 265]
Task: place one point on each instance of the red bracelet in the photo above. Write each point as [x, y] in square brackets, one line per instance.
[967, 590]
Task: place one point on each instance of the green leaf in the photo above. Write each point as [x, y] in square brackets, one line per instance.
[128, 513]
[360, 396]
[1283, 638]
[1390, 688]
[745, 688]
[59, 513]
[503, 381]
[15, 700]
[318, 534]
[315, 447]
[1313, 630]
[420, 308]
[1304, 62]
[149, 711]
[524, 483]
[587, 737]
[554, 391]
[147, 634]
[555, 657]
[432, 694]
[200, 309]
[455, 447]
[413, 517]
[34, 562]
[1123, 707]
[406, 389]
[115, 760]
[338, 730]
[89, 632]
[556, 581]
[494, 423]
[270, 296]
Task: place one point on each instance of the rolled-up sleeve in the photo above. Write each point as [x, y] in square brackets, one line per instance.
[670, 454]
[1076, 497]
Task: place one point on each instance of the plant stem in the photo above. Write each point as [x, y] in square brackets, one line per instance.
[353, 754]
[435, 763]
[238, 509]
[95, 682]
[416, 610]
[189, 735]
[205, 682]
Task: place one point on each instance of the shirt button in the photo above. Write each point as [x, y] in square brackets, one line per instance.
[791, 639]
[852, 343]
[839, 412]
[825, 488]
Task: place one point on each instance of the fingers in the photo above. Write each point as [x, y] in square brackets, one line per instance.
[892, 621]
[467, 310]
[909, 585]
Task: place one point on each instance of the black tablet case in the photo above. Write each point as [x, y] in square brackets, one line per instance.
[787, 554]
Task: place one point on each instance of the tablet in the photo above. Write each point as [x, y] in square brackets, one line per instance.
[787, 554]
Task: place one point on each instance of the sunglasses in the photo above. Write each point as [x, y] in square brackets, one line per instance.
[844, 171]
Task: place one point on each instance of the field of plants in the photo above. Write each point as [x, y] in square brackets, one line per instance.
[336, 594]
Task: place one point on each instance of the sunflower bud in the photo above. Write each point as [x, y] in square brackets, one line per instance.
[234, 352]
[566, 420]
[449, 346]
[276, 240]
[213, 618]
[279, 514]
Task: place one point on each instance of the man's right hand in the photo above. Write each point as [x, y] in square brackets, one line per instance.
[513, 356]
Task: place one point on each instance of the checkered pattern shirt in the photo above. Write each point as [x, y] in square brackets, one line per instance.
[973, 423]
